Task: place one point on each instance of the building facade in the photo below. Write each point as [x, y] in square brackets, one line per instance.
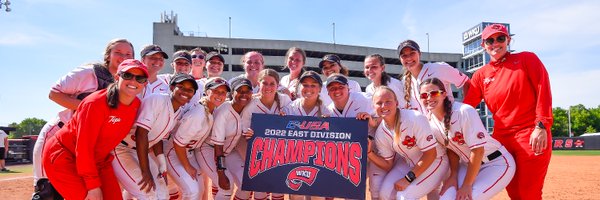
[166, 33]
[475, 57]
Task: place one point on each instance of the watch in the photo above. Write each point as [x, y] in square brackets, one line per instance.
[410, 177]
[540, 125]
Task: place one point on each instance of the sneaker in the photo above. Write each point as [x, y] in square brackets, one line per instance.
[4, 170]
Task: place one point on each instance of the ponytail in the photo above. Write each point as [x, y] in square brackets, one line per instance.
[385, 78]
[397, 124]
[112, 95]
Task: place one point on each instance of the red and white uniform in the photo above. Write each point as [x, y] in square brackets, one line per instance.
[80, 153]
[357, 103]
[199, 93]
[415, 138]
[517, 90]
[467, 132]
[444, 72]
[227, 131]
[80, 80]
[295, 108]
[156, 87]
[158, 117]
[292, 85]
[192, 130]
[396, 85]
[352, 85]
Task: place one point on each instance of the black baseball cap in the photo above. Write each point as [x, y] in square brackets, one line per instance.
[331, 58]
[410, 44]
[181, 77]
[236, 83]
[313, 75]
[182, 55]
[337, 78]
[213, 54]
[149, 50]
[216, 82]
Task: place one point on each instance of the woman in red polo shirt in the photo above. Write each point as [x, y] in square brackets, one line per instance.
[516, 88]
[79, 153]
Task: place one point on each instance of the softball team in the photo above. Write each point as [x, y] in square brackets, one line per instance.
[420, 138]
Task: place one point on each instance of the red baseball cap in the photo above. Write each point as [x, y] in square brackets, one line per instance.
[492, 29]
[128, 64]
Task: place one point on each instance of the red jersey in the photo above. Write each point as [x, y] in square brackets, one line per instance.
[94, 131]
[516, 89]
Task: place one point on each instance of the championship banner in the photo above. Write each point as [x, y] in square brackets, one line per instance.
[307, 155]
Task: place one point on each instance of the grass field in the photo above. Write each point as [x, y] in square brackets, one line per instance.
[576, 152]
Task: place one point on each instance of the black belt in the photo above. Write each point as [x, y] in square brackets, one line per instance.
[493, 155]
[60, 124]
[126, 144]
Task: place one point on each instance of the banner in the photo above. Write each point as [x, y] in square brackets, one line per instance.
[307, 155]
[568, 143]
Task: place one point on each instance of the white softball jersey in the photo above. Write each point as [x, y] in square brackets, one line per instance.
[394, 84]
[444, 72]
[156, 87]
[228, 127]
[466, 133]
[295, 108]
[356, 103]
[353, 86]
[414, 139]
[193, 128]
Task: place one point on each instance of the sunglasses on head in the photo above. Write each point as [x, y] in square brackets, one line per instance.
[199, 56]
[433, 93]
[499, 39]
[129, 76]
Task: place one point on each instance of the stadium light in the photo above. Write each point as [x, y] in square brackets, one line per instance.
[5, 3]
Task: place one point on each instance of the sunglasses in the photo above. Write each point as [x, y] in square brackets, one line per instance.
[129, 76]
[199, 56]
[429, 94]
[499, 39]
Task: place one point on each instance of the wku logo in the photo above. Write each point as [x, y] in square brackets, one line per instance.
[409, 142]
[299, 175]
[459, 138]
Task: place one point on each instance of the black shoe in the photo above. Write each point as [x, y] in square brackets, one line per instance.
[4, 170]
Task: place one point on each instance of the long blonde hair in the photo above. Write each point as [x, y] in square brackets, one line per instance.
[397, 121]
[272, 73]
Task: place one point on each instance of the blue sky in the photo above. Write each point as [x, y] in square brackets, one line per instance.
[41, 40]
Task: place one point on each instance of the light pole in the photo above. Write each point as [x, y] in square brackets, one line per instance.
[229, 27]
[428, 54]
[569, 116]
[5, 3]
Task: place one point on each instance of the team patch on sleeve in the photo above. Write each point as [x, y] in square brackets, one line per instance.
[480, 135]
[458, 138]
[409, 142]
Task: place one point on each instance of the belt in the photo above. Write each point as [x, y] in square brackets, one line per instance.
[492, 156]
[126, 144]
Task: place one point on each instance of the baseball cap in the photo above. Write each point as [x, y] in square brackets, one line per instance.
[236, 83]
[152, 49]
[410, 44]
[331, 58]
[492, 29]
[129, 64]
[313, 75]
[182, 54]
[213, 54]
[337, 78]
[216, 82]
[181, 77]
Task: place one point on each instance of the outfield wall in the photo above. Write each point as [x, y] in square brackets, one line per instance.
[576, 143]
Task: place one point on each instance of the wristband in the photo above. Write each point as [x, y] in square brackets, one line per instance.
[410, 177]
[162, 163]
[221, 163]
[540, 125]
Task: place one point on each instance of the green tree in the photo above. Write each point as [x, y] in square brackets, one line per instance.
[560, 127]
[29, 126]
[590, 129]
[581, 118]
